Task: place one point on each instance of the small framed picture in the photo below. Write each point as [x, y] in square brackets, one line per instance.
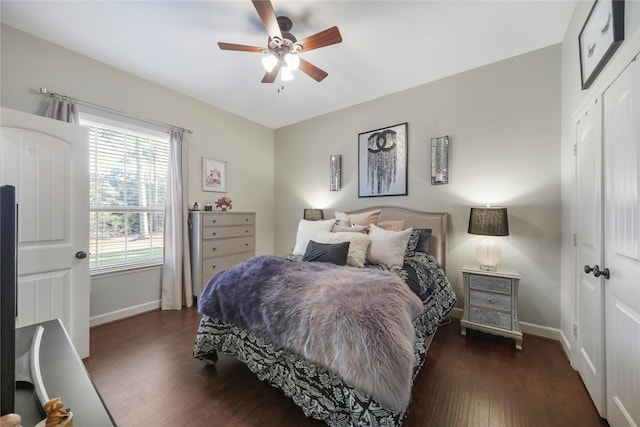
[600, 37]
[214, 175]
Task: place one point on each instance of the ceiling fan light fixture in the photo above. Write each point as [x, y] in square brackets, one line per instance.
[286, 74]
[269, 62]
[292, 60]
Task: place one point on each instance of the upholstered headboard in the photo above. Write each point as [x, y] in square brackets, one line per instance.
[436, 221]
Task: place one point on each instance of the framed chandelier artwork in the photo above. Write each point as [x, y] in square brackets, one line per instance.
[382, 162]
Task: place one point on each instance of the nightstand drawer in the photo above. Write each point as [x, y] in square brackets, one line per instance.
[490, 283]
[490, 317]
[490, 300]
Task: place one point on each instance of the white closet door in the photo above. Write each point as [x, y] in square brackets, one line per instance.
[622, 247]
[590, 342]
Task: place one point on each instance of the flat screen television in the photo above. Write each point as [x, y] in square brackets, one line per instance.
[8, 295]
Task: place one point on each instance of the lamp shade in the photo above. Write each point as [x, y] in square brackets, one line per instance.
[313, 214]
[269, 62]
[292, 60]
[489, 221]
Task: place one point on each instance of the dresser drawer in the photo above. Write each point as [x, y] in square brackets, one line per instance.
[486, 283]
[490, 300]
[213, 266]
[224, 232]
[490, 317]
[227, 219]
[222, 247]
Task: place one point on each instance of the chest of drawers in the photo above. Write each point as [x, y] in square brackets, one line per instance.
[218, 241]
[491, 302]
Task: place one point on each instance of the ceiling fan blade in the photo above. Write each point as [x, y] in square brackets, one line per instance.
[268, 17]
[239, 47]
[314, 72]
[323, 38]
[270, 76]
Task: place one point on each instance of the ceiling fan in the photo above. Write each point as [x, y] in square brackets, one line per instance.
[283, 49]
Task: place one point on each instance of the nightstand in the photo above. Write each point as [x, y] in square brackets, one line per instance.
[491, 302]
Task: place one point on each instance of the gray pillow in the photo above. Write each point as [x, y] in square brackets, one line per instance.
[419, 240]
[335, 253]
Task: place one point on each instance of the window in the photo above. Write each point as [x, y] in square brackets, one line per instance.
[128, 178]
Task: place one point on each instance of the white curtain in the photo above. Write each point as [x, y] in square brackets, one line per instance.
[62, 109]
[176, 270]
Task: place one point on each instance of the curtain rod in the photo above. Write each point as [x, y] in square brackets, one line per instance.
[45, 91]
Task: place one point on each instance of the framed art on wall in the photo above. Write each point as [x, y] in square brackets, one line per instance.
[214, 175]
[600, 37]
[382, 162]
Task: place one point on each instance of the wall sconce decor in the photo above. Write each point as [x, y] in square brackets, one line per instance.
[488, 221]
[335, 171]
[440, 160]
[313, 214]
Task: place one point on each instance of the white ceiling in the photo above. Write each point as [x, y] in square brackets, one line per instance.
[387, 46]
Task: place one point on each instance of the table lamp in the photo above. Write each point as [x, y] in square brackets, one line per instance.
[488, 221]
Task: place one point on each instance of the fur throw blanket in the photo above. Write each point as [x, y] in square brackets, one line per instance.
[354, 321]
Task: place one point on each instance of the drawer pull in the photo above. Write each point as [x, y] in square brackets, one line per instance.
[215, 234]
[246, 220]
[213, 267]
[246, 244]
[213, 249]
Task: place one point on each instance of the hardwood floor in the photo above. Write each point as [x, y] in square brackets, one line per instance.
[145, 372]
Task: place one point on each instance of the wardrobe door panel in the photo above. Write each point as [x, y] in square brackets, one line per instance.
[622, 246]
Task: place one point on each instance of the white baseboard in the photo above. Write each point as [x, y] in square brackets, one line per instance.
[125, 312]
[541, 331]
[528, 328]
[566, 345]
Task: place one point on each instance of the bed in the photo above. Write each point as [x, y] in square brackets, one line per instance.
[355, 383]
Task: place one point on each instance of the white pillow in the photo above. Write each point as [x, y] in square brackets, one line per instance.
[307, 230]
[387, 247]
[358, 244]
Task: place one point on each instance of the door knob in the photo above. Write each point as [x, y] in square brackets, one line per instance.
[596, 271]
[81, 254]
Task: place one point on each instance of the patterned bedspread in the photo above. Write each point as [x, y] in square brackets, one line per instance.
[321, 393]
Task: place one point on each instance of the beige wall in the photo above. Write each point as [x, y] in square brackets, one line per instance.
[503, 121]
[574, 100]
[29, 63]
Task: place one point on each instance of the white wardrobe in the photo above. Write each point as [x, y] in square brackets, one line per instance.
[607, 224]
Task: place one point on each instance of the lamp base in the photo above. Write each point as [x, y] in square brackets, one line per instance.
[488, 254]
